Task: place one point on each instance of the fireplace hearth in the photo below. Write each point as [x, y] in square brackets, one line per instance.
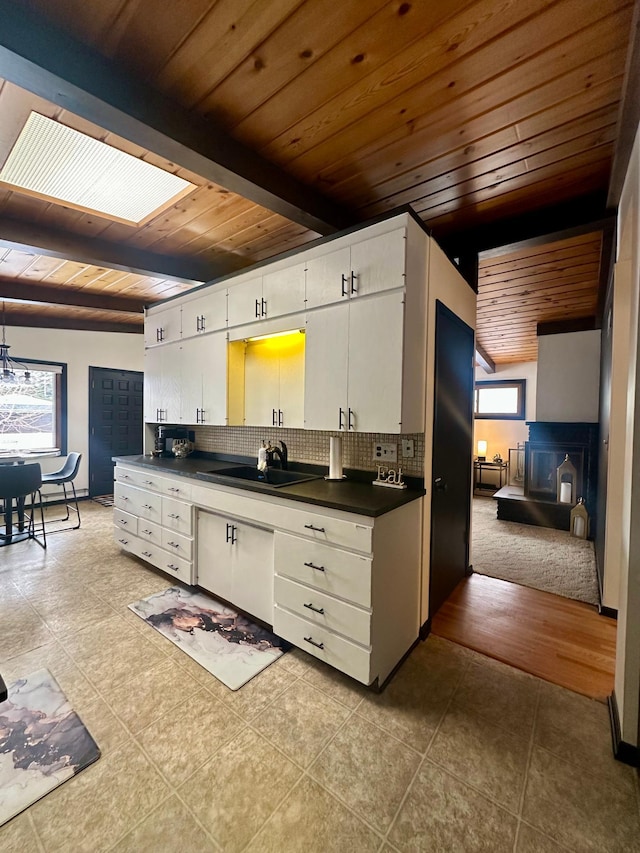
[549, 444]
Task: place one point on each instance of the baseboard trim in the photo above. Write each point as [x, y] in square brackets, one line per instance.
[607, 611]
[622, 751]
[425, 629]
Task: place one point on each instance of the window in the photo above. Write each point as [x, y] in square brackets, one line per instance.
[33, 410]
[500, 400]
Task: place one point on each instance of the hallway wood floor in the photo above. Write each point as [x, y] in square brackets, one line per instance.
[562, 641]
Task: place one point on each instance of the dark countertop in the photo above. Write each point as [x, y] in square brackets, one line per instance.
[354, 494]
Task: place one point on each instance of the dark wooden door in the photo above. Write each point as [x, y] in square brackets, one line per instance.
[452, 456]
[115, 423]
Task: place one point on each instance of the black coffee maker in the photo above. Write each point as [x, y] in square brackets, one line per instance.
[165, 436]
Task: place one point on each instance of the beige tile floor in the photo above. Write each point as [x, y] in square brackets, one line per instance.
[460, 753]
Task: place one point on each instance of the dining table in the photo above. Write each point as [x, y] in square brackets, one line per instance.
[15, 534]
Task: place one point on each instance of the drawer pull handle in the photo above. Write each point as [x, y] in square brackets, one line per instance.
[147, 532]
[173, 515]
[124, 498]
[124, 541]
[317, 568]
[146, 554]
[148, 482]
[173, 544]
[122, 521]
[172, 567]
[147, 506]
[319, 610]
[173, 489]
[312, 527]
[313, 643]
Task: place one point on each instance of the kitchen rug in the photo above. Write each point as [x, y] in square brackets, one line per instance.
[43, 742]
[225, 643]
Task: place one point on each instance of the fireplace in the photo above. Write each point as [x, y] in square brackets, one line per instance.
[548, 445]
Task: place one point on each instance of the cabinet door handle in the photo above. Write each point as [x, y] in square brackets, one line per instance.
[263, 306]
[202, 416]
[257, 309]
[340, 416]
[354, 278]
[319, 610]
[317, 529]
[197, 324]
[351, 426]
[345, 290]
[273, 417]
[280, 417]
[317, 568]
[202, 323]
[159, 334]
[313, 643]
[234, 537]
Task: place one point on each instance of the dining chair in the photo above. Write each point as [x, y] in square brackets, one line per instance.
[17, 483]
[62, 477]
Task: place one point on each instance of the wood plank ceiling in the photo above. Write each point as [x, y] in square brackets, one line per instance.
[472, 112]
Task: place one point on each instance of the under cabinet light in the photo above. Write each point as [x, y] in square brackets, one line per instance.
[58, 163]
[275, 335]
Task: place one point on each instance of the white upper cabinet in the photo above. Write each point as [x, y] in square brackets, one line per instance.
[163, 384]
[204, 380]
[274, 382]
[354, 366]
[283, 290]
[244, 302]
[163, 326]
[361, 268]
[205, 313]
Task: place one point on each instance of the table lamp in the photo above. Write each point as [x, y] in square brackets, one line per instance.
[482, 451]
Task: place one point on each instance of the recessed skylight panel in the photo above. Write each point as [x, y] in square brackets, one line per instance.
[54, 161]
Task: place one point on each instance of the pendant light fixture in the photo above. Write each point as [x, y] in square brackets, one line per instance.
[9, 367]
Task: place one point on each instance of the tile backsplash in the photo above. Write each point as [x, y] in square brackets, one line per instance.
[309, 445]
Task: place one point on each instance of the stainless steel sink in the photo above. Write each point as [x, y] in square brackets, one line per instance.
[274, 477]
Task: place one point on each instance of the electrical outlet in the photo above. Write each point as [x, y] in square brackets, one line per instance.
[407, 448]
[385, 452]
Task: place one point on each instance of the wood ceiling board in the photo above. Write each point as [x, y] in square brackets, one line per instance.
[297, 44]
[398, 53]
[492, 127]
[14, 262]
[455, 168]
[517, 63]
[500, 285]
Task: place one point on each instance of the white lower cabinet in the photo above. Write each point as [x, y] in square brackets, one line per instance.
[342, 586]
[150, 525]
[235, 561]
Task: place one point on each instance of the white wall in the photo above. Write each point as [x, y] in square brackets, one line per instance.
[569, 377]
[501, 435]
[623, 491]
[80, 350]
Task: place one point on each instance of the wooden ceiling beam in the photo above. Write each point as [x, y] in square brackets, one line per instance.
[40, 57]
[44, 321]
[39, 240]
[26, 292]
[484, 359]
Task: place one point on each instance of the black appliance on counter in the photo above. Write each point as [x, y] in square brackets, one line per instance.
[166, 435]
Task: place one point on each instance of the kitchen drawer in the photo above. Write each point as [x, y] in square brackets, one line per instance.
[177, 544]
[125, 497]
[324, 567]
[172, 565]
[346, 656]
[176, 516]
[148, 505]
[125, 521]
[177, 487]
[325, 528]
[125, 540]
[140, 478]
[150, 531]
[336, 615]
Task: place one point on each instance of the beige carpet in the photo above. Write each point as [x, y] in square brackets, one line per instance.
[539, 557]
